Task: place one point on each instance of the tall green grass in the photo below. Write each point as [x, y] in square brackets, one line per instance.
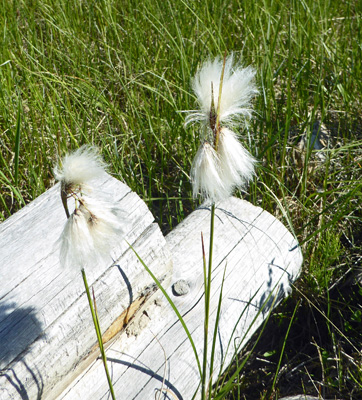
[117, 74]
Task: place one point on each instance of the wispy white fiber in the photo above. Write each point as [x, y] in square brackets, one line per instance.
[76, 243]
[80, 167]
[206, 175]
[236, 163]
[107, 223]
[98, 223]
[91, 232]
[238, 89]
[222, 163]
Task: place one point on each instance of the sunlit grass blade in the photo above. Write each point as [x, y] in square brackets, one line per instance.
[232, 336]
[172, 304]
[12, 188]
[283, 347]
[227, 387]
[17, 146]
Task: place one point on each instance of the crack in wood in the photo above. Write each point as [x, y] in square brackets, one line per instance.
[127, 316]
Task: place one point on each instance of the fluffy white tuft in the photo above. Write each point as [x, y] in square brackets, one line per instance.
[205, 175]
[80, 167]
[107, 223]
[236, 163]
[98, 223]
[76, 243]
[91, 232]
[238, 89]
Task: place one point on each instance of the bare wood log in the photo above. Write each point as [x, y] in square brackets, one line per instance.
[261, 260]
[46, 330]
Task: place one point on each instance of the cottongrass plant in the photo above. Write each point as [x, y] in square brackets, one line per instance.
[95, 225]
[224, 91]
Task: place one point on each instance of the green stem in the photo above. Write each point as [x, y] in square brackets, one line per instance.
[172, 304]
[217, 319]
[207, 304]
[98, 333]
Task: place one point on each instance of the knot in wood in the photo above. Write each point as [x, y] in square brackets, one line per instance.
[180, 288]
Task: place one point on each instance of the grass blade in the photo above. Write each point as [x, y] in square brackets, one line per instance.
[284, 343]
[17, 145]
[172, 304]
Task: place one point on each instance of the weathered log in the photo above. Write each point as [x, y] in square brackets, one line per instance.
[258, 255]
[260, 259]
[46, 330]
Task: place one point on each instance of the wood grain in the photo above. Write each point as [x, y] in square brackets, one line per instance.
[46, 328]
[48, 346]
[260, 258]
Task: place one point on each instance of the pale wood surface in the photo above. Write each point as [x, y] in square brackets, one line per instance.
[45, 323]
[261, 259]
[47, 338]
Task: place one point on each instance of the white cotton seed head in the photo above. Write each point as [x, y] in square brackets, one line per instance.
[91, 232]
[76, 243]
[238, 89]
[80, 167]
[107, 223]
[236, 163]
[206, 177]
